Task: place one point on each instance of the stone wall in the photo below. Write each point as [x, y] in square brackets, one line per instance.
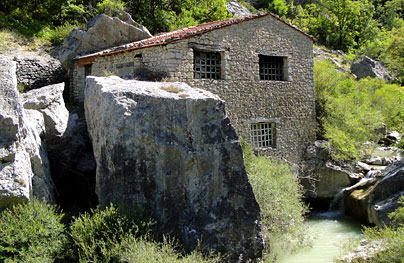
[289, 104]
[34, 73]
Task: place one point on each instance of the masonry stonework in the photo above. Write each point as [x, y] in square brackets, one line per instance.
[289, 104]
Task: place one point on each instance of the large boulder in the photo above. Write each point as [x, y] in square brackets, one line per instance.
[49, 102]
[24, 167]
[37, 71]
[171, 149]
[322, 178]
[372, 200]
[367, 67]
[102, 32]
[237, 9]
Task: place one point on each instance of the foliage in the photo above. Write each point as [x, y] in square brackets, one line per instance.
[349, 111]
[30, 232]
[389, 239]
[278, 7]
[338, 24]
[166, 15]
[56, 35]
[279, 194]
[96, 236]
[143, 251]
[35, 232]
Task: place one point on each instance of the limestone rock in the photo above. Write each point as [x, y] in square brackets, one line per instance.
[322, 178]
[24, 167]
[372, 200]
[237, 9]
[34, 72]
[326, 179]
[102, 32]
[49, 102]
[172, 149]
[367, 67]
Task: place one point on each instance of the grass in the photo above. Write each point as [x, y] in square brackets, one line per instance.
[10, 40]
[172, 89]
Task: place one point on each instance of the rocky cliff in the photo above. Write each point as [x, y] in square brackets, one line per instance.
[172, 149]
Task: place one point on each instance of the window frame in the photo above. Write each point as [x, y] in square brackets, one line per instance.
[263, 134]
[210, 62]
[272, 67]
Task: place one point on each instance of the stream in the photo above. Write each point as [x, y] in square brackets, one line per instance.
[330, 230]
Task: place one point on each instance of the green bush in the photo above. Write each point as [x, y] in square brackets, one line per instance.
[141, 250]
[389, 240]
[349, 111]
[31, 232]
[279, 194]
[57, 35]
[96, 236]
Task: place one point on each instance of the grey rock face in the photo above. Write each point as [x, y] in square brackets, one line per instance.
[172, 149]
[237, 9]
[367, 67]
[323, 178]
[102, 32]
[37, 72]
[24, 166]
[49, 102]
[372, 200]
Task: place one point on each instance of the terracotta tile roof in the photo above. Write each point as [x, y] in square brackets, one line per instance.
[165, 38]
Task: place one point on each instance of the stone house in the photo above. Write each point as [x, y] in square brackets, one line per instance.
[261, 66]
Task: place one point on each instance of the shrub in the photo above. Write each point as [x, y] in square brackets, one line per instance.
[96, 236]
[279, 194]
[30, 232]
[349, 112]
[142, 251]
[57, 34]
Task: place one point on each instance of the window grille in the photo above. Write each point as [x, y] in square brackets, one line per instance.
[207, 65]
[271, 68]
[262, 134]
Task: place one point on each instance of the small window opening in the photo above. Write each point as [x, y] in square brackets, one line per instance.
[271, 68]
[262, 134]
[207, 65]
[87, 69]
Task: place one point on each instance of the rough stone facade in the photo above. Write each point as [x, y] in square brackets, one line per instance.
[288, 104]
[34, 73]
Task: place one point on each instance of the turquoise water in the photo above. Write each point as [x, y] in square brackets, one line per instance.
[329, 230]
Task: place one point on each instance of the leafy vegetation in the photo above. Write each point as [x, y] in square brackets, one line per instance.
[31, 232]
[349, 111]
[279, 194]
[389, 240]
[37, 232]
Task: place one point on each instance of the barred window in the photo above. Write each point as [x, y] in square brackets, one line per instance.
[207, 65]
[271, 68]
[262, 134]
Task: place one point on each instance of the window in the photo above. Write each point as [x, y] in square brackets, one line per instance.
[271, 68]
[262, 134]
[207, 65]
